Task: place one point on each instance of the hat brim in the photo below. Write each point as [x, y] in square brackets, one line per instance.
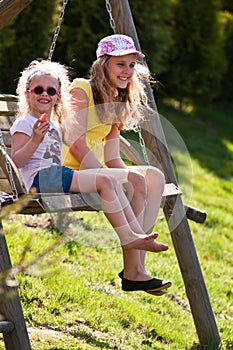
[125, 52]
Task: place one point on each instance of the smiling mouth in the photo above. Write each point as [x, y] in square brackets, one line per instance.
[45, 101]
[123, 79]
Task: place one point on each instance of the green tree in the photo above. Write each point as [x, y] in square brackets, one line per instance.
[187, 43]
[152, 22]
[85, 23]
[26, 38]
[197, 62]
[227, 37]
[227, 5]
[7, 38]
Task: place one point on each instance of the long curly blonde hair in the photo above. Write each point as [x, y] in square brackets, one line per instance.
[125, 107]
[45, 67]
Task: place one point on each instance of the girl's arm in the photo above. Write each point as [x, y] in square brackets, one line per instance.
[112, 149]
[24, 146]
[79, 148]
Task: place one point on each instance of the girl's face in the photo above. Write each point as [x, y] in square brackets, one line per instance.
[120, 69]
[43, 102]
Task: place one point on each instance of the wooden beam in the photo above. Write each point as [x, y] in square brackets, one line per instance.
[10, 307]
[173, 209]
[10, 9]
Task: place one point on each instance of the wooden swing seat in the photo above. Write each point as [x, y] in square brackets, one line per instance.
[47, 202]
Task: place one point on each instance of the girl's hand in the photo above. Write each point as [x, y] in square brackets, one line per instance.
[40, 128]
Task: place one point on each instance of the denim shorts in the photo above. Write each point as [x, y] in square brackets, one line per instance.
[55, 179]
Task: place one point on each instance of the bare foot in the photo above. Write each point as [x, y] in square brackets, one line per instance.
[148, 243]
[136, 276]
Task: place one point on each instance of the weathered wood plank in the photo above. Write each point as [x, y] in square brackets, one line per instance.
[10, 308]
[6, 138]
[4, 160]
[57, 202]
[10, 9]
[6, 121]
[8, 107]
[8, 97]
[5, 186]
[131, 154]
[6, 326]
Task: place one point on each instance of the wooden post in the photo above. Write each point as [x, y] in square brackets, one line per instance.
[10, 308]
[10, 9]
[173, 209]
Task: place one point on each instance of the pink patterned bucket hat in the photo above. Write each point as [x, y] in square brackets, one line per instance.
[117, 45]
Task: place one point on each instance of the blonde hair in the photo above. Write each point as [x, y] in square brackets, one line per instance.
[125, 107]
[56, 70]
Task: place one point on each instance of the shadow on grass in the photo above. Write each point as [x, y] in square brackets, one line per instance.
[79, 334]
[196, 346]
[90, 339]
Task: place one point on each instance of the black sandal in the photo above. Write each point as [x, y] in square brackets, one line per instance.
[152, 285]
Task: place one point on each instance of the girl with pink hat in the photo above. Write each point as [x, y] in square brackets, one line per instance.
[111, 100]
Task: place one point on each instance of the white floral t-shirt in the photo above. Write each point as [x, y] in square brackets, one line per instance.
[48, 152]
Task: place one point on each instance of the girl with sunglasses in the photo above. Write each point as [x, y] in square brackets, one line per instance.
[36, 151]
[111, 100]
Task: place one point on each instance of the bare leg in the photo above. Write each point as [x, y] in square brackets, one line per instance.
[116, 208]
[146, 192]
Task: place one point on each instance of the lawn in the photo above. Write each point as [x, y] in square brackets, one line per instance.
[72, 298]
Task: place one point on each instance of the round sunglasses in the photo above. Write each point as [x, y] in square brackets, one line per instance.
[38, 90]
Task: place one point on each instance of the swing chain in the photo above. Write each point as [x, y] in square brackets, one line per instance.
[55, 36]
[8, 168]
[143, 145]
[111, 19]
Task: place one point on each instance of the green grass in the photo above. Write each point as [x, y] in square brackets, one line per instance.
[75, 291]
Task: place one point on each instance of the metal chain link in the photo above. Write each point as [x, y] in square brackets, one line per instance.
[8, 168]
[57, 31]
[111, 19]
[139, 130]
[143, 145]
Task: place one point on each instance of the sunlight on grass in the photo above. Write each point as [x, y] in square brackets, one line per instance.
[75, 292]
[228, 145]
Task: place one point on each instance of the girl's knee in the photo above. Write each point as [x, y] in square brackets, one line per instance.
[106, 182]
[155, 176]
[138, 181]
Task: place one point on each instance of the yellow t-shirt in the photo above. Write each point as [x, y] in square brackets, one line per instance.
[96, 131]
